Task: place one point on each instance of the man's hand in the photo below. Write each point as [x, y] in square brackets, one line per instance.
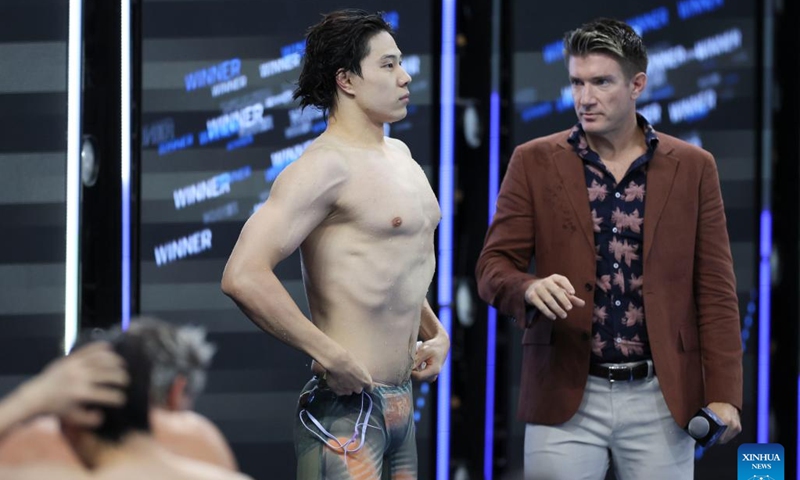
[93, 375]
[730, 417]
[429, 358]
[345, 375]
[553, 296]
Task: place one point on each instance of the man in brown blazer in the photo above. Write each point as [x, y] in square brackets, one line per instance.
[630, 320]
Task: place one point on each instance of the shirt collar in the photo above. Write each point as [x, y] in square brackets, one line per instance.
[577, 137]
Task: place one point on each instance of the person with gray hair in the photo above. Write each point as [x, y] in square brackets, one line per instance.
[630, 222]
[120, 444]
[180, 356]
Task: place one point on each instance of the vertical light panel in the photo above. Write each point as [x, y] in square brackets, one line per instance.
[73, 200]
[764, 278]
[445, 269]
[125, 156]
[765, 244]
[494, 187]
[443, 408]
[491, 327]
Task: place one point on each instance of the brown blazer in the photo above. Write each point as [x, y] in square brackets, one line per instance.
[689, 286]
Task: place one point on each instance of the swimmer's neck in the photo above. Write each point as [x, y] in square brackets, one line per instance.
[355, 130]
[133, 447]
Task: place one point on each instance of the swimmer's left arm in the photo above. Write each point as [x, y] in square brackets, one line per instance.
[435, 346]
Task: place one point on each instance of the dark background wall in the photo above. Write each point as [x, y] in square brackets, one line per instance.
[33, 124]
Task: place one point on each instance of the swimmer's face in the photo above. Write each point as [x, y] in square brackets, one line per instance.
[381, 91]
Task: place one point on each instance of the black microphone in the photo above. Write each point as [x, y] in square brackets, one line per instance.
[706, 427]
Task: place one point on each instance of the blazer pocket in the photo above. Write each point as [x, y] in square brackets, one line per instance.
[690, 341]
[539, 333]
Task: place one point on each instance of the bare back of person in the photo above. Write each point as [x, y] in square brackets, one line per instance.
[141, 457]
[191, 435]
[368, 265]
[44, 472]
[185, 433]
[137, 459]
[38, 441]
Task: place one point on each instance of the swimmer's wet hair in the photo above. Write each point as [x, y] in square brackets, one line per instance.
[339, 41]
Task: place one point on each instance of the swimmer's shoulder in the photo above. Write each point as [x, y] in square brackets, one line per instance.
[190, 434]
[398, 145]
[321, 159]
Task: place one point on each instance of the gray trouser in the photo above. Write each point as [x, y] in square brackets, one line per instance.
[629, 420]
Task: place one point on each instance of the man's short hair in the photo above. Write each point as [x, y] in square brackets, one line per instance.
[339, 41]
[174, 351]
[609, 37]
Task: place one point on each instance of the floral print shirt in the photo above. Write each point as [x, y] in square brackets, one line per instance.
[619, 333]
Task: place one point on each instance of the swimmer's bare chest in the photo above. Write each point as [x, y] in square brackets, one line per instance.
[394, 201]
[378, 243]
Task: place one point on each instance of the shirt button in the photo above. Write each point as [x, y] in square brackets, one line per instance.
[618, 303]
[614, 229]
[617, 340]
[616, 265]
[588, 287]
[617, 194]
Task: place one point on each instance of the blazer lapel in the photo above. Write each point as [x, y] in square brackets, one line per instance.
[573, 178]
[660, 178]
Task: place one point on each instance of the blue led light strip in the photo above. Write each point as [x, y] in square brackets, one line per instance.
[494, 187]
[125, 155]
[764, 277]
[445, 269]
[765, 244]
[491, 328]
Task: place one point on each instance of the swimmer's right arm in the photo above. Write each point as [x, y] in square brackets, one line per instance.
[304, 194]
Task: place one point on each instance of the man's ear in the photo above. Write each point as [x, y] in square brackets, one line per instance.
[344, 80]
[176, 396]
[639, 82]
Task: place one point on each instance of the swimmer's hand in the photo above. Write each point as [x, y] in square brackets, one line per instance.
[93, 374]
[344, 375]
[429, 358]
